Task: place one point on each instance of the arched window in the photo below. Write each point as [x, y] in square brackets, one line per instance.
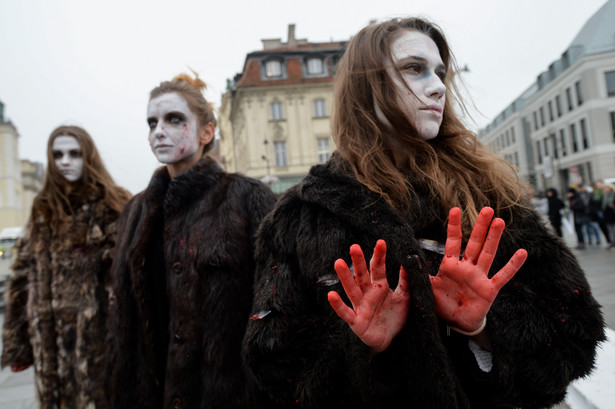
[273, 69]
[315, 66]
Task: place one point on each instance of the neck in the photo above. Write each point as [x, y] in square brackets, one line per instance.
[182, 166]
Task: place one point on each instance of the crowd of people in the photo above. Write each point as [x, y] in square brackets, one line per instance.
[207, 291]
[588, 212]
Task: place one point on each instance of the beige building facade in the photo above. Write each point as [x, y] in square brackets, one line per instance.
[274, 119]
[561, 130]
[20, 180]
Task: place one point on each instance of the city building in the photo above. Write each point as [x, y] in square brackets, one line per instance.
[274, 119]
[561, 130]
[20, 180]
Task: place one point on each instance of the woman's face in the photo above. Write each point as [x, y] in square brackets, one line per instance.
[417, 58]
[68, 157]
[173, 129]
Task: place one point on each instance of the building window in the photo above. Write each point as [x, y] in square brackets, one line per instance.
[545, 141]
[273, 69]
[562, 142]
[551, 111]
[613, 125]
[558, 106]
[315, 66]
[542, 116]
[610, 83]
[512, 134]
[280, 153]
[517, 159]
[320, 108]
[584, 134]
[573, 137]
[535, 121]
[507, 137]
[324, 151]
[277, 111]
[569, 98]
[539, 152]
[577, 87]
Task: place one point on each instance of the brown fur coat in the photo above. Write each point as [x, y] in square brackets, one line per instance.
[57, 303]
[183, 278]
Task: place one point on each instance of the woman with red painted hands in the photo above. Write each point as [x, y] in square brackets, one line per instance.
[463, 292]
[445, 317]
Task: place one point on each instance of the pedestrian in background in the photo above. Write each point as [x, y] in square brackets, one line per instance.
[184, 270]
[58, 295]
[595, 209]
[421, 327]
[608, 209]
[579, 212]
[555, 206]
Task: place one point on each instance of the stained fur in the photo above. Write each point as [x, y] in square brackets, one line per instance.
[183, 283]
[544, 325]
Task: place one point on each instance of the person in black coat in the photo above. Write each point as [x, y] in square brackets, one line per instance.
[184, 270]
[555, 206]
[411, 189]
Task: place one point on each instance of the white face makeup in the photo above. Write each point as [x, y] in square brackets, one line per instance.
[417, 58]
[173, 130]
[68, 157]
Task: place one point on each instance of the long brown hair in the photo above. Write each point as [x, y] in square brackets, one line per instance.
[54, 199]
[192, 91]
[456, 167]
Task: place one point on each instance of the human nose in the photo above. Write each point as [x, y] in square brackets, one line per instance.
[435, 88]
[65, 160]
[159, 131]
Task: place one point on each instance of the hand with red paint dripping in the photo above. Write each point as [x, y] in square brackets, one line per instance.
[378, 313]
[462, 290]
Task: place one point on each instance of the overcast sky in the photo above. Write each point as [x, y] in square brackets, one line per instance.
[93, 63]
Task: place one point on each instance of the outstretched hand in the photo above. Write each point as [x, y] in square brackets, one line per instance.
[462, 290]
[378, 313]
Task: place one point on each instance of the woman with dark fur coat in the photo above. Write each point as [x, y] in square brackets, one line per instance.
[58, 295]
[500, 327]
[184, 273]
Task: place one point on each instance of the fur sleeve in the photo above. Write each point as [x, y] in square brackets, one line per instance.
[301, 354]
[544, 325]
[17, 349]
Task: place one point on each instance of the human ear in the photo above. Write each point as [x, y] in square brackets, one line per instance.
[207, 133]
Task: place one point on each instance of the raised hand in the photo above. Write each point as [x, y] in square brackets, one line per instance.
[378, 313]
[462, 290]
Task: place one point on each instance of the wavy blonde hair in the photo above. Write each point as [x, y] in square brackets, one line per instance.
[54, 199]
[388, 159]
[191, 89]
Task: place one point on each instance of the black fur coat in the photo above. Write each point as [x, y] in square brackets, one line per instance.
[57, 302]
[544, 325]
[183, 284]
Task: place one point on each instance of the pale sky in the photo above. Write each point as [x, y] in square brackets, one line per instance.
[93, 63]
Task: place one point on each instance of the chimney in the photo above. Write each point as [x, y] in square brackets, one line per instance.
[292, 41]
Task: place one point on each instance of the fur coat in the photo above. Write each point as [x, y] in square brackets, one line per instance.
[57, 302]
[183, 281]
[544, 325]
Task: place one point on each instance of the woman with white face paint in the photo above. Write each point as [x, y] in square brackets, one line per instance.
[184, 271]
[448, 314]
[58, 295]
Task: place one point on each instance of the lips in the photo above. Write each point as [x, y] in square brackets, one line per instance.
[436, 109]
